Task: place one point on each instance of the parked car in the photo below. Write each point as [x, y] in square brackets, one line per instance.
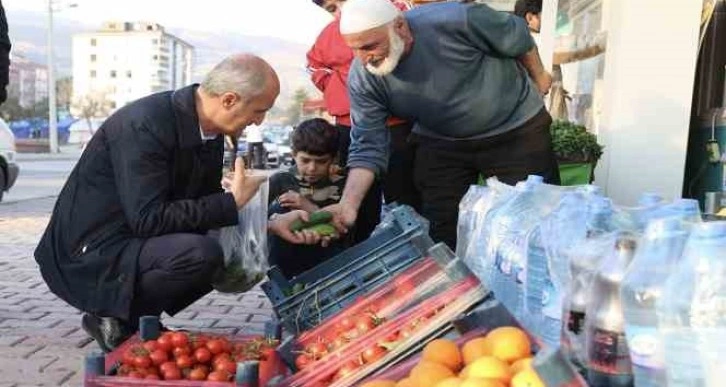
[8, 167]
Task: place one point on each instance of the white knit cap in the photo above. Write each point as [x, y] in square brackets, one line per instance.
[363, 15]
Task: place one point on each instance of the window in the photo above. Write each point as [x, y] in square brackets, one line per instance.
[93, 73]
[129, 75]
[93, 57]
[113, 73]
[156, 57]
[93, 42]
[154, 41]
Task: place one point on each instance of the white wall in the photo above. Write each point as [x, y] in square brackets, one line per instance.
[647, 91]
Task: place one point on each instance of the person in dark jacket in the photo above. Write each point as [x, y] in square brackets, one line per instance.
[4, 55]
[128, 236]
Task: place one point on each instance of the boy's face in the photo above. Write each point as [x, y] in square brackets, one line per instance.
[313, 168]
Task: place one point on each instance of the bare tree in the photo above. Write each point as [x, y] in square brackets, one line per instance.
[92, 105]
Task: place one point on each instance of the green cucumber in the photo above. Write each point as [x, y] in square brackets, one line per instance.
[325, 229]
[319, 217]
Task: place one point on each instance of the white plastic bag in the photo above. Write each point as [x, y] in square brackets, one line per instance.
[245, 246]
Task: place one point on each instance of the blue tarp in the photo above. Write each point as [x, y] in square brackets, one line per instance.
[38, 128]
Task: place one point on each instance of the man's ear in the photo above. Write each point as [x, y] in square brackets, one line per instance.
[230, 99]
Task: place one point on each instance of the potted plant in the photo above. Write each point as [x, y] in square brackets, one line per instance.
[577, 152]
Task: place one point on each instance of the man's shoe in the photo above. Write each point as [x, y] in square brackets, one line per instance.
[109, 332]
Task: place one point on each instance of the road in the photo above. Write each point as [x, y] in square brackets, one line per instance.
[39, 178]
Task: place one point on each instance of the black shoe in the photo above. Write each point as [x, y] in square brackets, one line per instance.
[109, 332]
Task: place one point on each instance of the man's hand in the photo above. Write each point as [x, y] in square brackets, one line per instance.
[295, 201]
[344, 216]
[242, 187]
[543, 82]
[280, 226]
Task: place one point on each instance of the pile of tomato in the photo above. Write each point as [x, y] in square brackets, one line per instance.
[193, 356]
[354, 327]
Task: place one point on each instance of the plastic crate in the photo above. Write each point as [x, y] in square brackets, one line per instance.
[434, 310]
[100, 369]
[337, 282]
[424, 279]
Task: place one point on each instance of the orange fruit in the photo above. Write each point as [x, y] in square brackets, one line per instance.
[450, 382]
[521, 365]
[509, 344]
[527, 378]
[474, 349]
[379, 383]
[444, 352]
[405, 383]
[482, 382]
[489, 367]
[428, 373]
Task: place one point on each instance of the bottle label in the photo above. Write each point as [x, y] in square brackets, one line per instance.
[645, 347]
[608, 353]
[503, 264]
[575, 322]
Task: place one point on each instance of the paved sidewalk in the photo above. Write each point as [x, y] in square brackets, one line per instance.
[41, 342]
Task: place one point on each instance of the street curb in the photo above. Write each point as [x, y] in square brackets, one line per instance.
[47, 156]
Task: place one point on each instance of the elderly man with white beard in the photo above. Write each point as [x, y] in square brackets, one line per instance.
[460, 73]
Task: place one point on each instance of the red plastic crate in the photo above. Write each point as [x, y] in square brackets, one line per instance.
[112, 359]
[423, 279]
[321, 373]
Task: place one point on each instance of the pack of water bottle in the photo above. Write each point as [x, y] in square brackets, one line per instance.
[636, 295]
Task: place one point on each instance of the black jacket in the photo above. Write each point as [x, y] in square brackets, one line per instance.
[145, 173]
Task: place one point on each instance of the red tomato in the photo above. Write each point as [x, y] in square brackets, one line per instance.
[179, 339]
[364, 324]
[373, 353]
[128, 357]
[220, 357]
[302, 361]
[179, 351]
[158, 357]
[197, 374]
[124, 370]
[184, 361]
[136, 375]
[202, 355]
[338, 343]
[218, 376]
[152, 377]
[164, 343]
[226, 365]
[393, 337]
[142, 361]
[151, 345]
[226, 345]
[215, 346]
[172, 374]
[347, 369]
[169, 365]
[346, 324]
[316, 350]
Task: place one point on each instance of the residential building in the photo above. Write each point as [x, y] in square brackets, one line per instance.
[124, 61]
[28, 81]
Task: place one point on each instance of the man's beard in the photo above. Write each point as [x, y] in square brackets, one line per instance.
[389, 63]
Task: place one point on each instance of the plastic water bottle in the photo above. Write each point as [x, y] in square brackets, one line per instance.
[510, 226]
[660, 251]
[546, 276]
[692, 311]
[608, 355]
[584, 259]
[467, 216]
[649, 199]
[685, 209]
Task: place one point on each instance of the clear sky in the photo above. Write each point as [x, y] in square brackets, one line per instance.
[295, 20]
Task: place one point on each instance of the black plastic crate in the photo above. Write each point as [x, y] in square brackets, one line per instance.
[337, 282]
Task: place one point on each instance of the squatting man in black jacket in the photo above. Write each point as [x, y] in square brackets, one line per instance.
[128, 234]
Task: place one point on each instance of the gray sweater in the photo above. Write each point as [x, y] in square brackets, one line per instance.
[460, 81]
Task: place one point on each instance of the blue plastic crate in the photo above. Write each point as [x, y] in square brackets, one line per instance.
[337, 282]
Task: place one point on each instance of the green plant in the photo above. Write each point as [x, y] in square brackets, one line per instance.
[573, 143]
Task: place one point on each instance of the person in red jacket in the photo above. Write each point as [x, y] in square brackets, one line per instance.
[328, 63]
